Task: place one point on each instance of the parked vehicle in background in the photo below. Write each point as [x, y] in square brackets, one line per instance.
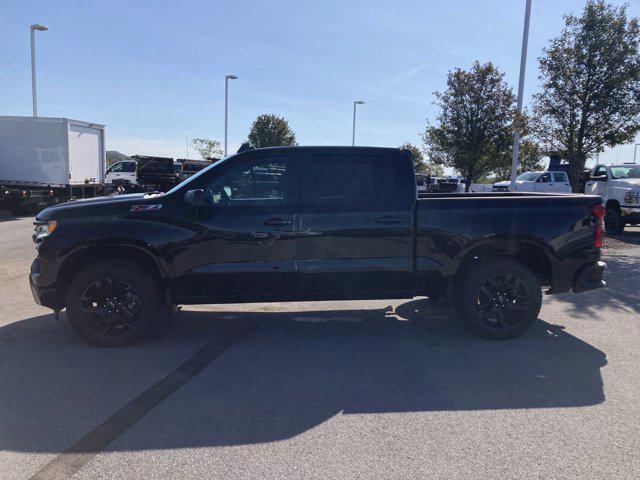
[619, 186]
[122, 173]
[189, 167]
[312, 223]
[45, 161]
[540, 182]
[157, 173]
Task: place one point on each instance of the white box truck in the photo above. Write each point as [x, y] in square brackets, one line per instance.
[44, 161]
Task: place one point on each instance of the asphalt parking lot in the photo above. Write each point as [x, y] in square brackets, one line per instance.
[367, 389]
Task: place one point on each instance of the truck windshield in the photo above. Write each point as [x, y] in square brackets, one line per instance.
[624, 171]
[528, 176]
[198, 175]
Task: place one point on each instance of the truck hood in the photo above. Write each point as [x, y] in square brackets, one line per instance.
[97, 206]
[504, 183]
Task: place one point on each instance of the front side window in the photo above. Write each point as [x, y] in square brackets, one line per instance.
[129, 167]
[344, 180]
[116, 167]
[545, 178]
[257, 181]
[600, 172]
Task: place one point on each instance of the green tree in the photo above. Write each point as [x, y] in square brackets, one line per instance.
[475, 124]
[269, 130]
[207, 148]
[590, 97]
[420, 165]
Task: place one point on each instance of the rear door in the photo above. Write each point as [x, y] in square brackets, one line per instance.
[561, 182]
[356, 223]
[85, 154]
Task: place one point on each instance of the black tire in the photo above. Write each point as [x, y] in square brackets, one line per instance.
[613, 222]
[112, 303]
[499, 299]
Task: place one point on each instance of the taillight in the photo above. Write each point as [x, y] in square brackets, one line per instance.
[24, 194]
[598, 212]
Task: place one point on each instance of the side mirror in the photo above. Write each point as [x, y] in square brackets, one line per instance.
[194, 198]
[599, 178]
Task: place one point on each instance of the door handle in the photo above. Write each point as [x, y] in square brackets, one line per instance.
[276, 222]
[388, 219]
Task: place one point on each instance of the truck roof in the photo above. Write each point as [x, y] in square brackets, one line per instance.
[327, 147]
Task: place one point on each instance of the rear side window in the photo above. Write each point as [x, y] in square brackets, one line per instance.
[560, 177]
[344, 180]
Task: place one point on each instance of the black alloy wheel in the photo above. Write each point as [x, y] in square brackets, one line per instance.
[502, 300]
[110, 306]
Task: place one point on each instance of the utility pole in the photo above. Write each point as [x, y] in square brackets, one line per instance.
[32, 31]
[523, 67]
[226, 110]
[353, 134]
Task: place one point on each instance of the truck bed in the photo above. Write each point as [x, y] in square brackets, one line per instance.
[450, 227]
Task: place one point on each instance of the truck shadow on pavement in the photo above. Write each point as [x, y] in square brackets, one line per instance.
[295, 371]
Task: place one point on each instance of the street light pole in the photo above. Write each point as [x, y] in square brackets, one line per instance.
[353, 134]
[523, 66]
[635, 150]
[226, 110]
[34, 98]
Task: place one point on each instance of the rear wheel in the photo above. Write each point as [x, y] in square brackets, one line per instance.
[499, 300]
[113, 303]
[613, 222]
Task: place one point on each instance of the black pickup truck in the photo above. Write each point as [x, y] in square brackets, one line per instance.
[312, 223]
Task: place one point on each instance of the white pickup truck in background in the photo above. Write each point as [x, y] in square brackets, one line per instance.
[549, 182]
[123, 172]
[619, 187]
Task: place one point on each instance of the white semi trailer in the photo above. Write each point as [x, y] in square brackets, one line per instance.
[44, 161]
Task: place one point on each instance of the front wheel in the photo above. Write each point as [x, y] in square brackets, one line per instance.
[499, 299]
[613, 222]
[113, 303]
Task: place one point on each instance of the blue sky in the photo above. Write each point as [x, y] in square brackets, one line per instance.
[153, 71]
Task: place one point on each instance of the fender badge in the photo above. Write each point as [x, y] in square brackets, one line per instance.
[146, 208]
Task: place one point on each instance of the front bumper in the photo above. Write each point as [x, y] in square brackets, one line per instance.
[43, 295]
[630, 214]
[590, 278]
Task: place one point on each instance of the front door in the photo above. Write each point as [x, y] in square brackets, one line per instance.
[243, 241]
[597, 183]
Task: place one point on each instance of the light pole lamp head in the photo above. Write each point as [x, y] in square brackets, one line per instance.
[231, 77]
[359, 102]
[40, 28]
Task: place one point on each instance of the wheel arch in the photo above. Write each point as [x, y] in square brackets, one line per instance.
[76, 261]
[531, 253]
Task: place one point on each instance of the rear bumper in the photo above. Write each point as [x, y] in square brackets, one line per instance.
[590, 278]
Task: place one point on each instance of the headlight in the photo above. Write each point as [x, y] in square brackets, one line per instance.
[43, 230]
[632, 197]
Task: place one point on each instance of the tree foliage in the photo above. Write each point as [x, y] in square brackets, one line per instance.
[207, 148]
[475, 124]
[269, 130]
[420, 165]
[590, 96]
